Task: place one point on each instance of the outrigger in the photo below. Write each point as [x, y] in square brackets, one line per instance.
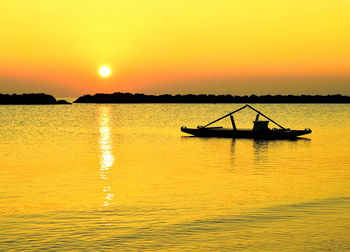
[260, 129]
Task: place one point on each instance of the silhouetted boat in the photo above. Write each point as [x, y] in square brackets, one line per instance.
[260, 129]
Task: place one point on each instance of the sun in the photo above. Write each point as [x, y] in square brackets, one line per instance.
[104, 71]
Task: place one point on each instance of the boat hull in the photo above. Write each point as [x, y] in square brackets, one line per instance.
[240, 133]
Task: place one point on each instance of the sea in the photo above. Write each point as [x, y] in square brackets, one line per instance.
[123, 177]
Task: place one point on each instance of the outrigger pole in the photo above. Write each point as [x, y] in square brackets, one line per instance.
[231, 113]
[265, 116]
[225, 116]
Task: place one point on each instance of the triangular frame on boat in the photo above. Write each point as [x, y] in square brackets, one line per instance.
[237, 110]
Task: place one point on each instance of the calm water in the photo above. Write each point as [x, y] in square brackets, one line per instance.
[123, 177]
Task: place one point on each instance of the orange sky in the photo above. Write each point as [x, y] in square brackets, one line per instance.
[238, 47]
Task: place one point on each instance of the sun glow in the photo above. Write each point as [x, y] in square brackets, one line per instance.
[105, 71]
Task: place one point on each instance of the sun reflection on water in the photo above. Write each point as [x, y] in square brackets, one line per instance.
[106, 155]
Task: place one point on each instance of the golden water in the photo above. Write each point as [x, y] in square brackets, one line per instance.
[123, 177]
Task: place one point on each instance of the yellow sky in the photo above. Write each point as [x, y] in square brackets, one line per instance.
[182, 46]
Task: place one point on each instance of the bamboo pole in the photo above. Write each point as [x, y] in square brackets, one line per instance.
[233, 122]
[265, 116]
[225, 116]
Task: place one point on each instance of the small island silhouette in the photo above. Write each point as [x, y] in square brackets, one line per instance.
[203, 98]
[29, 99]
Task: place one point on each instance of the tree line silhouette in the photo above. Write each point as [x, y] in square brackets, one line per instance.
[27, 99]
[203, 98]
[118, 97]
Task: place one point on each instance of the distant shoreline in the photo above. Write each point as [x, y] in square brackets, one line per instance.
[190, 98]
[124, 98]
